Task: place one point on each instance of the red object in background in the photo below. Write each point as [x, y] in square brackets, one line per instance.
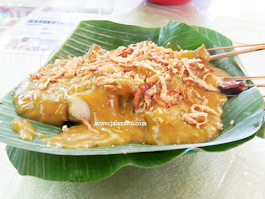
[169, 2]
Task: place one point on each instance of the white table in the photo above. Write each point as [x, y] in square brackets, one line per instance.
[237, 173]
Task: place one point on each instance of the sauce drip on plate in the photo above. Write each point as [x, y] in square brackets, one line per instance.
[25, 130]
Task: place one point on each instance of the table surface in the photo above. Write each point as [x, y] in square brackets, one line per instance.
[237, 173]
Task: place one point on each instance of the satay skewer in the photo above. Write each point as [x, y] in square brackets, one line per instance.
[233, 53]
[254, 85]
[240, 46]
[243, 78]
[233, 87]
[236, 95]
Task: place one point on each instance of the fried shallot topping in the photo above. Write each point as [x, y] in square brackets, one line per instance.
[89, 127]
[145, 69]
[198, 117]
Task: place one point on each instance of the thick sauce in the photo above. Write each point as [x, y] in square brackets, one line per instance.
[180, 104]
[217, 71]
[25, 130]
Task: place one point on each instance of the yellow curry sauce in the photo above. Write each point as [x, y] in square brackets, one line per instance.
[25, 130]
[173, 92]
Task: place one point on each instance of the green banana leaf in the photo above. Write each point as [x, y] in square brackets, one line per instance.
[98, 163]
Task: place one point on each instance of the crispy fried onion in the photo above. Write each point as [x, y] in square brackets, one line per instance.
[201, 84]
[147, 69]
[137, 97]
[89, 127]
[198, 117]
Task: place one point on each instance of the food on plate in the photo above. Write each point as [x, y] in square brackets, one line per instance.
[142, 93]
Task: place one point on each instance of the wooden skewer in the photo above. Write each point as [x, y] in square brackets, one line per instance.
[228, 47]
[236, 95]
[233, 53]
[253, 85]
[243, 78]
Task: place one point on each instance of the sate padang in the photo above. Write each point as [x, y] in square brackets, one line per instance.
[172, 91]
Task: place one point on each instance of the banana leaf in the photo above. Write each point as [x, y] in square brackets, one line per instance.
[98, 163]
